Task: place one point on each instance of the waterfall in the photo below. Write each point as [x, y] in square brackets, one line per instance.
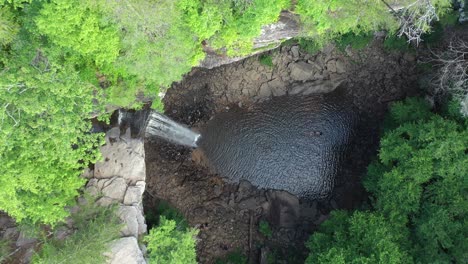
[162, 126]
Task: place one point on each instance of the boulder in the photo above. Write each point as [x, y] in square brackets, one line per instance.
[134, 222]
[115, 189]
[315, 87]
[134, 194]
[125, 251]
[284, 208]
[302, 71]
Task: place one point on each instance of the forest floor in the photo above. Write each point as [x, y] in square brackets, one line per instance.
[228, 214]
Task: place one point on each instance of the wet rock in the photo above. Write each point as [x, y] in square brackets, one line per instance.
[251, 203]
[277, 87]
[125, 251]
[315, 87]
[301, 71]
[264, 91]
[284, 209]
[244, 187]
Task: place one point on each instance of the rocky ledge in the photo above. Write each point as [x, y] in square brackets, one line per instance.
[120, 178]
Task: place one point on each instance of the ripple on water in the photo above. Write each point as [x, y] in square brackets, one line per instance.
[289, 143]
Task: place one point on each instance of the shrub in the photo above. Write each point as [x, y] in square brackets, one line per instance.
[95, 226]
[234, 257]
[356, 42]
[360, 237]
[167, 243]
[328, 19]
[265, 229]
[8, 26]
[418, 191]
[393, 42]
[266, 60]
[309, 45]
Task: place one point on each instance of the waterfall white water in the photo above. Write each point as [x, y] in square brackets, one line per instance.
[162, 126]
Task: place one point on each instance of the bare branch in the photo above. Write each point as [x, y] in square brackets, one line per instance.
[415, 20]
[452, 74]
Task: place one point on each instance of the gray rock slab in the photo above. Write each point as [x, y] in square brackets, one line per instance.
[302, 71]
[123, 157]
[115, 189]
[133, 219]
[134, 193]
[125, 251]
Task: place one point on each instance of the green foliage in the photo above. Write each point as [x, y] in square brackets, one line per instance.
[411, 109]
[436, 34]
[356, 42]
[67, 23]
[266, 60]
[393, 42]
[166, 243]
[95, 226]
[449, 18]
[327, 19]
[8, 26]
[265, 229]
[16, 3]
[309, 45]
[243, 23]
[419, 192]
[44, 140]
[171, 213]
[358, 238]
[421, 181]
[235, 257]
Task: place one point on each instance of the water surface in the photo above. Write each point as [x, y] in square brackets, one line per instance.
[291, 143]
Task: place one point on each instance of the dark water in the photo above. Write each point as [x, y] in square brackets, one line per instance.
[289, 143]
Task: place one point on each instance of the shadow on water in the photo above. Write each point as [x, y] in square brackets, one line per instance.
[289, 143]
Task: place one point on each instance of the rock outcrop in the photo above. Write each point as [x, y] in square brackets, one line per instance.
[270, 38]
[120, 178]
